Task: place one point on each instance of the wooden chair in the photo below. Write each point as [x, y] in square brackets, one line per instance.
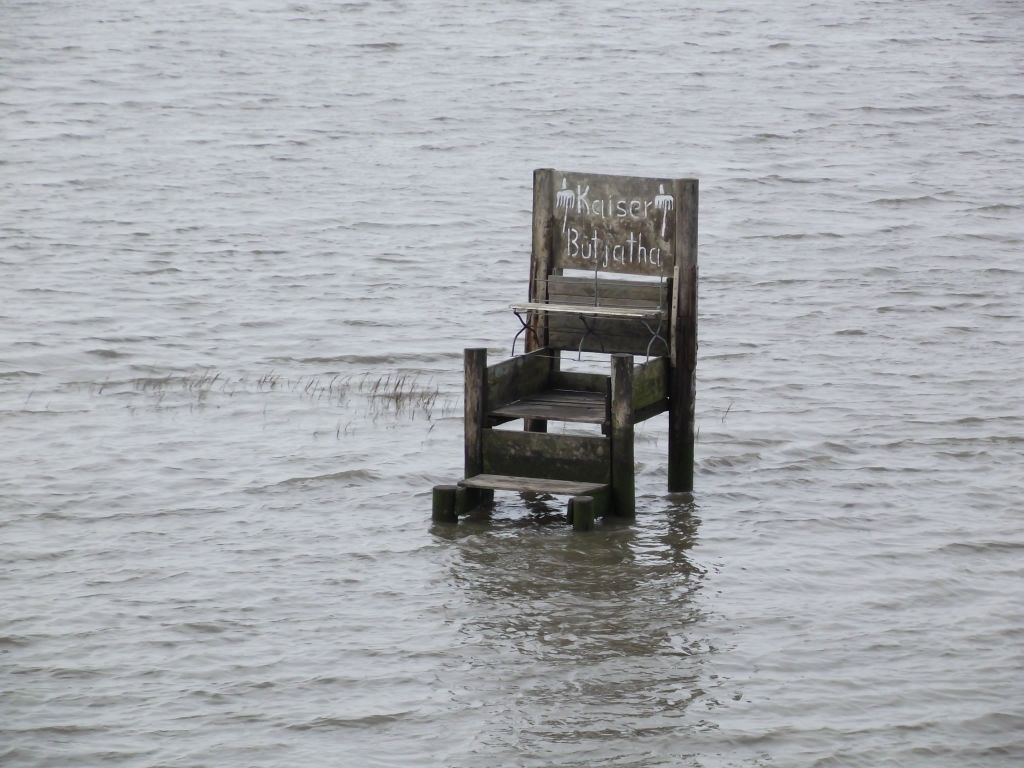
[588, 232]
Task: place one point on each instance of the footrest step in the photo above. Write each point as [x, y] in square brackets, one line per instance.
[533, 485]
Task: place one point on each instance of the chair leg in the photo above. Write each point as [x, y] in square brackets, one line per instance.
[476, 381]
[623, 470]
[681, 435]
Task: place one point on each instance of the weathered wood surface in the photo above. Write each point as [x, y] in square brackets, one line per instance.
[622, 469]
[534, 454]
[650, 383]
[650, 411]
[516, 378]
[609, 291]
[558, 405]
[683, 383]
[570, 333]
[475, 395]
[582, 382]
[533, 485]
[581, 513]
[541, 261]
[444, 504]
[632, 313]
[611, 223]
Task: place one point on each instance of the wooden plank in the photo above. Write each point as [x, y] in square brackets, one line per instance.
[623, 469]
[475, 365]
[573, 303]
[610, 326]
[589, 310]
[541, 258]
[582, 382]
[562, 287]
[517, 377]
[650, 383]
[612, 223]
[607, 335]
[628, 345]
[558, 405]
[533, 485]
[643, 414]
[683, 376]
[536, 454]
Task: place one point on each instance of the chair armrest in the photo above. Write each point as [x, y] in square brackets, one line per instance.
[625, 313]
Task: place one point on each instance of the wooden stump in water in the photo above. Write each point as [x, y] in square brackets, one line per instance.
[581, 513]
[444, 504]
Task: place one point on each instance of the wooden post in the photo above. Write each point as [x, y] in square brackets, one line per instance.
[475, 396]
[683, 375]
[581, 512]
[623, 480]
[541, 262]
[540, 268]
[464, 501]
[444, 504]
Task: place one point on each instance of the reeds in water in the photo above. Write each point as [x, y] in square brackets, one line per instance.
[393, 394]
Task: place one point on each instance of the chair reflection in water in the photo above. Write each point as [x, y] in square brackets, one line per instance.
[613, 270]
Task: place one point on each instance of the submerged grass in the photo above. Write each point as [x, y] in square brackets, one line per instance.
[392, 394]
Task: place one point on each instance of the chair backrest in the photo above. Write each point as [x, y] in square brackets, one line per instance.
[614, 241]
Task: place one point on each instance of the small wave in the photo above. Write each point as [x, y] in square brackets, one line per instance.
[123, 339]
[158, 271]
[61, 730]
[14, 641]
[205, 627]
[347, 722]
[259, 323]
[386, 46]
[739, 460]
[363, 475]
[106, 353]
[899, 202]
[988, 238]
[794, 236]
[898, 110]
[999, 208]
[410, 357]
[986, 547]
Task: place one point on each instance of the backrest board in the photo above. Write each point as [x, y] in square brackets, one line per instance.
[611, 224]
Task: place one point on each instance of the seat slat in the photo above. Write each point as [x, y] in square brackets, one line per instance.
[558, 405]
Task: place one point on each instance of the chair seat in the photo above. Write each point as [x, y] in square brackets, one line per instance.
[558, 405]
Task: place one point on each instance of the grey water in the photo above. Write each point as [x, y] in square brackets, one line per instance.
[228, 230]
